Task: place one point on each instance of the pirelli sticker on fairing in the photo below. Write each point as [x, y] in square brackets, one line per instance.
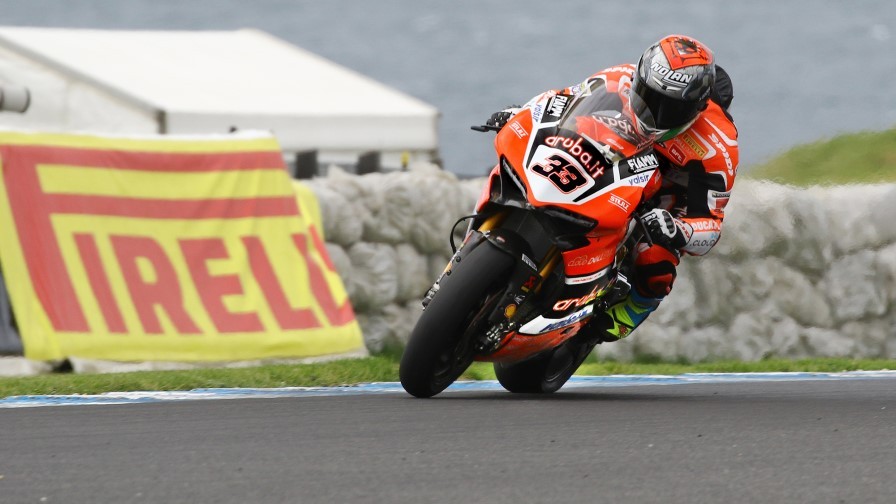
[695, 146]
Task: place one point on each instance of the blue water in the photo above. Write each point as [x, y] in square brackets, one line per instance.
[802, 70]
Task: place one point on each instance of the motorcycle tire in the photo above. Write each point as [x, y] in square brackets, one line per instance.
[440, 347]
[547, 372]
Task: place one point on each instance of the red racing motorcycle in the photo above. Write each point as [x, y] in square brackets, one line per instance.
[547, 250]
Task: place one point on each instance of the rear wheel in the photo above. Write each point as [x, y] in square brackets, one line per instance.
[547, 372]
[440, 347]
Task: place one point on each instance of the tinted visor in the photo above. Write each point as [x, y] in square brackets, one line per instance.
[659, 111]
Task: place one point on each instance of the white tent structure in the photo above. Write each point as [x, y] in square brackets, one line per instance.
[179, 82]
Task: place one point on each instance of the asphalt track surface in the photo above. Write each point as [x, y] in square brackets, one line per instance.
[826, 441]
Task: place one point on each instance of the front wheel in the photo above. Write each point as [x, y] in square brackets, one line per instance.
[440, 347]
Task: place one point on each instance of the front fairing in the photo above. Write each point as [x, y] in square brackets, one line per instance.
[581, 153]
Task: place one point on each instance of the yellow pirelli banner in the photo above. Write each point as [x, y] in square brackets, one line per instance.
[165, 248]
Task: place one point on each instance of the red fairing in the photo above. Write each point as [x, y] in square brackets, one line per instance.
[484, 197]
[592, 163]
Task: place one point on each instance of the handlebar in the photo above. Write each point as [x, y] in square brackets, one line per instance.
[485, 128]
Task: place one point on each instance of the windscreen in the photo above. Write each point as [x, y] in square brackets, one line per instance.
[605, 118]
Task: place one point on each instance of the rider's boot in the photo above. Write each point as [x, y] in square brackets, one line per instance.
[623, 317]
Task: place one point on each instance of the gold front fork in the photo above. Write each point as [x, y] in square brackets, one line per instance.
[551, 260]
[492, 222]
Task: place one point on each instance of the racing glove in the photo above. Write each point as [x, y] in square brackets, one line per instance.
[499, 119]
[664, 230]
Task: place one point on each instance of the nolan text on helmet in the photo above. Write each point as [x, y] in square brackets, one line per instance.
[671, 77]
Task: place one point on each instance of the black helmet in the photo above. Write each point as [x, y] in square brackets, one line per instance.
[672, 85]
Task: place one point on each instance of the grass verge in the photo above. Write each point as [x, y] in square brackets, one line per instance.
[866, 157]
[370, 369]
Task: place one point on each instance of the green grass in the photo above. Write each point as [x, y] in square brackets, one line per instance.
[340, 372]
[866, 157]
[371, 369]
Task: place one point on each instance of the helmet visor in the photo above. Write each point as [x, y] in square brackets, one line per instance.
[658, 111]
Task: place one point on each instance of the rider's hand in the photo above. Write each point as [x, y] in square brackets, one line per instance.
[499, 119]
[663, 229]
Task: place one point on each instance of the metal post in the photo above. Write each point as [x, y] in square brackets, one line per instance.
[10, 341]
[306, 165]
[368, 162]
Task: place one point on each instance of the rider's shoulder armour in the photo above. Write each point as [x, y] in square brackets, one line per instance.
[711, 141]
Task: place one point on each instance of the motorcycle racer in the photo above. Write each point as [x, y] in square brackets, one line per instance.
[677, 96]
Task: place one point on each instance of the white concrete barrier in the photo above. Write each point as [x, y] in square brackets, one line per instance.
[797, 273]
